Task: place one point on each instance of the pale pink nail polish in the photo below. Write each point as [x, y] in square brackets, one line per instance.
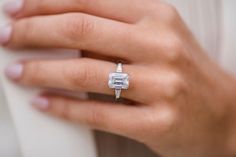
[14, 71]
[13, 6]
[40, 103]
[5, 33]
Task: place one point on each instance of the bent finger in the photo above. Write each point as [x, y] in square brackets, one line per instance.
[73, 31]
[87, 75]
[123, 10]
[109, 117]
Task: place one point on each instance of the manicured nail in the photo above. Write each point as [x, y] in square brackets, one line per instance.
[40, 103]
[5, 34]
[14, 71]
[13, 6]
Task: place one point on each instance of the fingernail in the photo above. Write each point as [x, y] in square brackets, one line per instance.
[14, 71]
[5, 33]
[13, 6]
[40, 103]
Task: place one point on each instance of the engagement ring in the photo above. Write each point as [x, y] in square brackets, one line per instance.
[118, 80]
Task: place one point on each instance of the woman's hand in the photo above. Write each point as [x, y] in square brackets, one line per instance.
[184, 103]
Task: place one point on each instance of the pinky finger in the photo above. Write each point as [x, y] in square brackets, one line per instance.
[114, 118]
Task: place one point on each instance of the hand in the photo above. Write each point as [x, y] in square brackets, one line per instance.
[183, 102]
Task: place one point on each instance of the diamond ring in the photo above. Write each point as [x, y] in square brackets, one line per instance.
[118, 80]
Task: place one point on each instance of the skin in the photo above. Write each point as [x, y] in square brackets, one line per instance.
[183, 103]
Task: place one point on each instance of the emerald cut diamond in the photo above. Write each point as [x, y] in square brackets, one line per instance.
[118, 80]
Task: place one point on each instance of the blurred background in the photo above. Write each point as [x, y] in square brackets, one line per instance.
[8, 138]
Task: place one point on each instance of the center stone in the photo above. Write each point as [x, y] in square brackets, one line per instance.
[118, 81]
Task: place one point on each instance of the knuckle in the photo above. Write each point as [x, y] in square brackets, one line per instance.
[82, 77]
[176, 51]
[171, 47]
[162, 120]
[152, 7]
[64, 110]
[175, 86]
[26, 30]
[86, 77]
[31, 73]
[162, 10]
[170, 12]
[96, 118]
[77, 27]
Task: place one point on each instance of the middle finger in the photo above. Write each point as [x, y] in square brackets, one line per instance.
[75, 31]
[122, 10]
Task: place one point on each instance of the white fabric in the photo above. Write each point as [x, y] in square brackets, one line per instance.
[228, 55]
[40, 135]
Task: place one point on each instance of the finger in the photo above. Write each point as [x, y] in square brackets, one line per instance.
[91, 75]
[73, 31]
[108, 117]
[87, 75]
[121, 10]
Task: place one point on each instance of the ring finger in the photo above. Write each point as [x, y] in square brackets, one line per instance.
[85, 75]
[91, 75]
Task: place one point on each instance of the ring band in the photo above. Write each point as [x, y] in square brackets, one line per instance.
[118, 80]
